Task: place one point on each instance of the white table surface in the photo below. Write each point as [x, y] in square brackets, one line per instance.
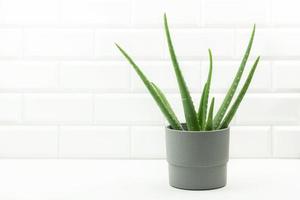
[141, 179]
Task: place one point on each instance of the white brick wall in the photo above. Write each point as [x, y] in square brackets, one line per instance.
[67, 92]
[60, 43]
[94, 141]
[28, 141]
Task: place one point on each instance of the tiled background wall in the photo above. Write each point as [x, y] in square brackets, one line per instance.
[67, 92]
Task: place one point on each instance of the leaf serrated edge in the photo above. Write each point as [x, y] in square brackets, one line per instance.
[227, 100]
[205, 95]
[156, 94]
[209, 123]
[239, 98]
[188, 106]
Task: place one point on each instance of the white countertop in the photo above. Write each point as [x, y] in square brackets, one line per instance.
[141, 179]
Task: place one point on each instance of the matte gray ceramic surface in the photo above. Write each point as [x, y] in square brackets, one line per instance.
[197, 159]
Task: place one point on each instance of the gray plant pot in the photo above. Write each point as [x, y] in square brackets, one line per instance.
[197, 159]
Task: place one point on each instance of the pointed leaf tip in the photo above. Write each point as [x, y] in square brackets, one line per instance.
[254, 28]
[156, 93]
[230, 93]
[240, 97]
[189, 109]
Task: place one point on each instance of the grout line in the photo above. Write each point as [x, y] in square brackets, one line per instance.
[94, 43]
[131, 26]
[132, 11]
[131, 85]
[59, 17]
[94, 108]
[174, 94]
[235, 42]
[58, 76]
[132, 159]
[125, 124]
[201, 15]
[22, 117]
[58, 140]
[23, 43]
[257, 94]
[273, 90]
[137, 92]
[130, 142]
[93, 125]
[145, 27]
[140, 59]
[271, 141]
[270, 14]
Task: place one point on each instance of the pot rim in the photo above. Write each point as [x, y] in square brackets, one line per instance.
[168, 127]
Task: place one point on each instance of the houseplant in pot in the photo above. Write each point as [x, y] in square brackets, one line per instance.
[197, 150]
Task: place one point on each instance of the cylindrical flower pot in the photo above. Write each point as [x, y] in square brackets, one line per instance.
[197, 159]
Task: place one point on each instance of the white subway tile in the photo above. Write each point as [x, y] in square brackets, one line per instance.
[285, 12]
[141, 44]
[235, 12]
[28, 141]
[148, 142]
[30, 11]
[106, 12]
[151, 12]
[50, 108]
[11, 43]
[28, 75]
[270, 42]
[127, 109]
[286, 142]
[269, 109]
[11, 108]
[194, 43]
[42, 42]
[77, 43]
[286, 76]
[250, 142]
[93, 142]
[162, 74]
[104, 76]
[224, 73]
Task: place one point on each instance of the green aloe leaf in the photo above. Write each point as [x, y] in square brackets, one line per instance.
[188, 106]
[167, 105]
[209, 124]
[202, 112]
[223, 108]
[156, 94]
[239, 98]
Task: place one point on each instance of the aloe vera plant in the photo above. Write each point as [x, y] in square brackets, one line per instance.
[204, 119]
